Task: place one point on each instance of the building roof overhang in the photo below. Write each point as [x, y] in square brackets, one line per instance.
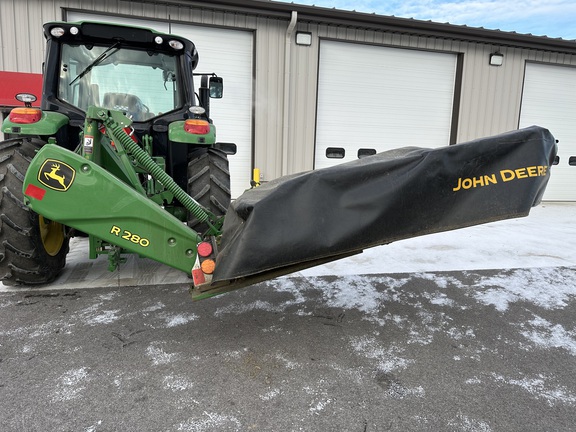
[393, 24]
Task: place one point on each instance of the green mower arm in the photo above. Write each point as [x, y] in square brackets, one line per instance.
[67, 188]
[76, 191]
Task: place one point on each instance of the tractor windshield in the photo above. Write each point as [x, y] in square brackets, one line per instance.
[143, 84]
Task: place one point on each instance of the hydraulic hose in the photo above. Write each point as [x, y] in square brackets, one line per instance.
[145, 160]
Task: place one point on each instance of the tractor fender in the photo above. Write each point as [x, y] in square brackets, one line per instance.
[177, 133]
[50, 122]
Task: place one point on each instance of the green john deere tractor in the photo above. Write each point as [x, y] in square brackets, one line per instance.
[124, 151]
[122, 99]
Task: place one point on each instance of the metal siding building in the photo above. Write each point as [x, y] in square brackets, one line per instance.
[485, 99]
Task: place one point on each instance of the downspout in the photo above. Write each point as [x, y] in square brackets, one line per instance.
[286, 110]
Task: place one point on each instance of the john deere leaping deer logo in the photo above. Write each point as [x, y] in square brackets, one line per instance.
[56, 175]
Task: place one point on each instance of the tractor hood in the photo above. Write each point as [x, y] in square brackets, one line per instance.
[301, 220]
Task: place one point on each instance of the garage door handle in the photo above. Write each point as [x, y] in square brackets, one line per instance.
[335, 153]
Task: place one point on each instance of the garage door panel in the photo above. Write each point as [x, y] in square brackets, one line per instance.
[228, 53]
[381, 98]
[549, 100]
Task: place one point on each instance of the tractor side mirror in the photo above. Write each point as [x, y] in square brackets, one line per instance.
[216, 87]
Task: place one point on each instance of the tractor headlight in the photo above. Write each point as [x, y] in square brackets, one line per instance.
[177, 45]
[197, 110]
[57, 31]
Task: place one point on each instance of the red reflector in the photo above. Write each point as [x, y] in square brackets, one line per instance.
[198, 277]
[25, 115]
[197, 127]
[35, 192]
[204, 249]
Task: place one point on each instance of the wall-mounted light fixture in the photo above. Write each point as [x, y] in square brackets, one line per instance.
[303, 38]
[496, 59]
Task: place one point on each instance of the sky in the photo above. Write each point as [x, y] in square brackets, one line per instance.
[552, 18]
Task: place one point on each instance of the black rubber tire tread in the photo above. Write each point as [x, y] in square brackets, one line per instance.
[208, 183]
[23, 258]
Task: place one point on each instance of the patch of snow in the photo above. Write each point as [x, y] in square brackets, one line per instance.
[159, 356]
[350, 292]
[92, 315]
[43, 329]
[179, 319]
[288, 363]
[440, 299]
[209, 422]
[459, 334]
[176, 383]
[539, 389]
[270, 395]
[242, 308]
[442, 282]
[275, 329]
[69, 385]
[318, 406]
[466, 424]
[388, 360]
[548, 335]
[154, 307]
[549, 288]
[513, 243]
[109, 296]
[105, 317]
[93, 428]
[398, 391]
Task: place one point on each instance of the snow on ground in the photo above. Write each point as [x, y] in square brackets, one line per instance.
[545, 238]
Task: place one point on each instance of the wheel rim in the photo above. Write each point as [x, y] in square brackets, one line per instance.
[52, 235]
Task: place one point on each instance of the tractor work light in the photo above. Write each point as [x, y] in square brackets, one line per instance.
[57, 31]
[25, 115]
[74, 31]
[158, 40]
[197, 127]
[197, 110]
[177, 45]
[27, 98]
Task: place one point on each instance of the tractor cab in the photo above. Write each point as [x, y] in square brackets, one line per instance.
[146, 75]
[141, 72]
[143, 85]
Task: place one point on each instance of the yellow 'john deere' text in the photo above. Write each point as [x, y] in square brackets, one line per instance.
[504, 175]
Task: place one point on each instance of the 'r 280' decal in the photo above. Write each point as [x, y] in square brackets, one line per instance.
[130, 236]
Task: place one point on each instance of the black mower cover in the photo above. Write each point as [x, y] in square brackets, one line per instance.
[301, 220]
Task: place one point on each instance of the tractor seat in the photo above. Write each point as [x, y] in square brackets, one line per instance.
[127, 103]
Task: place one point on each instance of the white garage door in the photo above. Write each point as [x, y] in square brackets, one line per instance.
[228, 53]
[549, 100]
[372, 99]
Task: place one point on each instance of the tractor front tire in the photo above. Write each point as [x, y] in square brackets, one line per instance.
[208, 183]
[32, 249]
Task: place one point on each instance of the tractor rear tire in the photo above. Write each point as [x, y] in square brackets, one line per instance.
[32, 249]
[208, 183]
